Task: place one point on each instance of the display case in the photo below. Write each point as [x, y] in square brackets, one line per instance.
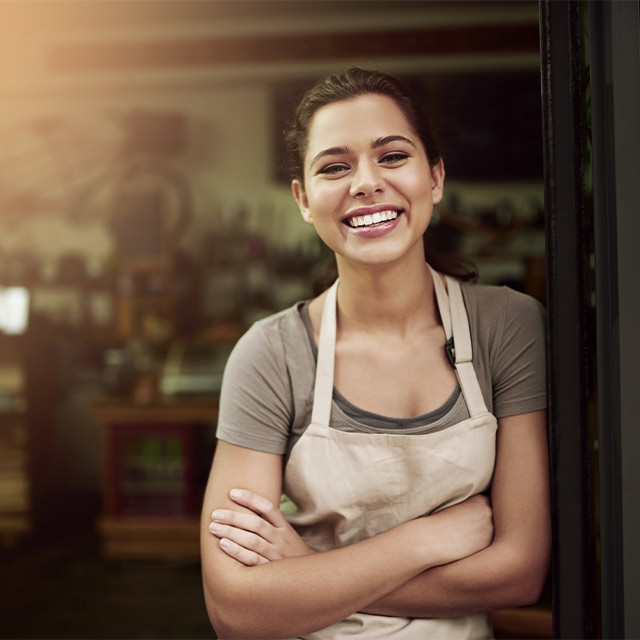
[155, 461]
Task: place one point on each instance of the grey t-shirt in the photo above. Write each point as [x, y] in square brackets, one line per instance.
[267, 389]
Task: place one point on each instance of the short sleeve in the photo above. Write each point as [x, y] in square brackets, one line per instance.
[256, 396]
[519, 368]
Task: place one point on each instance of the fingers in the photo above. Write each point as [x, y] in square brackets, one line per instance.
[240, 538]
[247, 521]
[262, 529]
[239, 553]
[260, 505]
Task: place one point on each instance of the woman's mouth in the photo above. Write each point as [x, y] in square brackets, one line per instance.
[370, 220]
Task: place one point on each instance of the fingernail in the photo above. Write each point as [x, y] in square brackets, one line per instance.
[214, 527]
[217, 515]
[235, 493]
[225, 543]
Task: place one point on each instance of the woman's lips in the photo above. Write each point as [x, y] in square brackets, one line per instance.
[374, 224]
[370, 219]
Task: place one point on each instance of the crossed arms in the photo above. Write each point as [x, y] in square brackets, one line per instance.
[261, 580]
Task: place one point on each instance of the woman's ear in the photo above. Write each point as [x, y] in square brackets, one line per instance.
[437, 181]
[301, 200]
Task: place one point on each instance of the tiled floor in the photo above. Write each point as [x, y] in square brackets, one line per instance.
[63, 589]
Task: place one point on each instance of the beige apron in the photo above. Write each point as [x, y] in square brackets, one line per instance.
[351, 486]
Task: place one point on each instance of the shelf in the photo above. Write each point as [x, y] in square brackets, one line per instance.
[193, 410]
[15, 484]
[170, 538]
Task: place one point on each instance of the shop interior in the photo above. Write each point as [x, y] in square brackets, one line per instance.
[147, 221]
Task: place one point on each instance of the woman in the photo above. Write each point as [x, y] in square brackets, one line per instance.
[392, 536]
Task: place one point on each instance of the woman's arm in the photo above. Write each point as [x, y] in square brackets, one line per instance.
[300, 594]
[512, 570]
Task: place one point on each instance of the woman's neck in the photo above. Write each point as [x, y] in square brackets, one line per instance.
[392, 298]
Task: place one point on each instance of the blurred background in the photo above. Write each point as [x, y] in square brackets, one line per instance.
[146, 222]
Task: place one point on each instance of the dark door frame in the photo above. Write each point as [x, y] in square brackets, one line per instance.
[594, 303]
[570, 320]
[615, 98]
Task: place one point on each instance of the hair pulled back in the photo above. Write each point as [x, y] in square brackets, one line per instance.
[351, 84]
[348, 85]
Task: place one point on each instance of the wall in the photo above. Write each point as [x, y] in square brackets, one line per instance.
[62, 133]
[227, 161]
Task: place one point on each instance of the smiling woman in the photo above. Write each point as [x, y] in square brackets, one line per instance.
[402, 412]
[364, 159]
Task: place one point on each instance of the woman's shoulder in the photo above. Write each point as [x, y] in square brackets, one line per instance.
[499, 300]
[508, 330]
[272, 336]
[257, 402]
[501, 316]
[284, 321]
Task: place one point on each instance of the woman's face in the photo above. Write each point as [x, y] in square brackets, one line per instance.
[369, 190]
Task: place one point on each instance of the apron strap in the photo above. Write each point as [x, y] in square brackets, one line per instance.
[443, 302]
[456, 325]
[323, 388]
[463, 351]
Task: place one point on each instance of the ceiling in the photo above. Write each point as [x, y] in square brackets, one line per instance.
[95, 16]
[54, 43]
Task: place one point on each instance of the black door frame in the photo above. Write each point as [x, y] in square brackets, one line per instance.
[593, 257]
[615, 75]
[569, 318]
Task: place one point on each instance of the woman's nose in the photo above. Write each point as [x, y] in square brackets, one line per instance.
[366, 180]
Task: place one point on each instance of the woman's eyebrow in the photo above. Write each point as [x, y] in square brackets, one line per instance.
[380, 142]
[331, 151]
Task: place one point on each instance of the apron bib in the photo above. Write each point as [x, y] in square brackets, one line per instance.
[350, 486]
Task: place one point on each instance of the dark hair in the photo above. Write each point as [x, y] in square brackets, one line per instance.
[348, 85]
[357, 82]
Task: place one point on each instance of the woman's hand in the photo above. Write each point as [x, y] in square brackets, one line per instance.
[258, 537]
[461, 530]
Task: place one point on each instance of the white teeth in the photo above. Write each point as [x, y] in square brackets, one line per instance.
[375, 218]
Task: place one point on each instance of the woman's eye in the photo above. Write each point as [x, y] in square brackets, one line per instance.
[396, 156]
[333, 168]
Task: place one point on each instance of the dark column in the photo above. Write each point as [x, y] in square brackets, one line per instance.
[570, 313]
[615, 97]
